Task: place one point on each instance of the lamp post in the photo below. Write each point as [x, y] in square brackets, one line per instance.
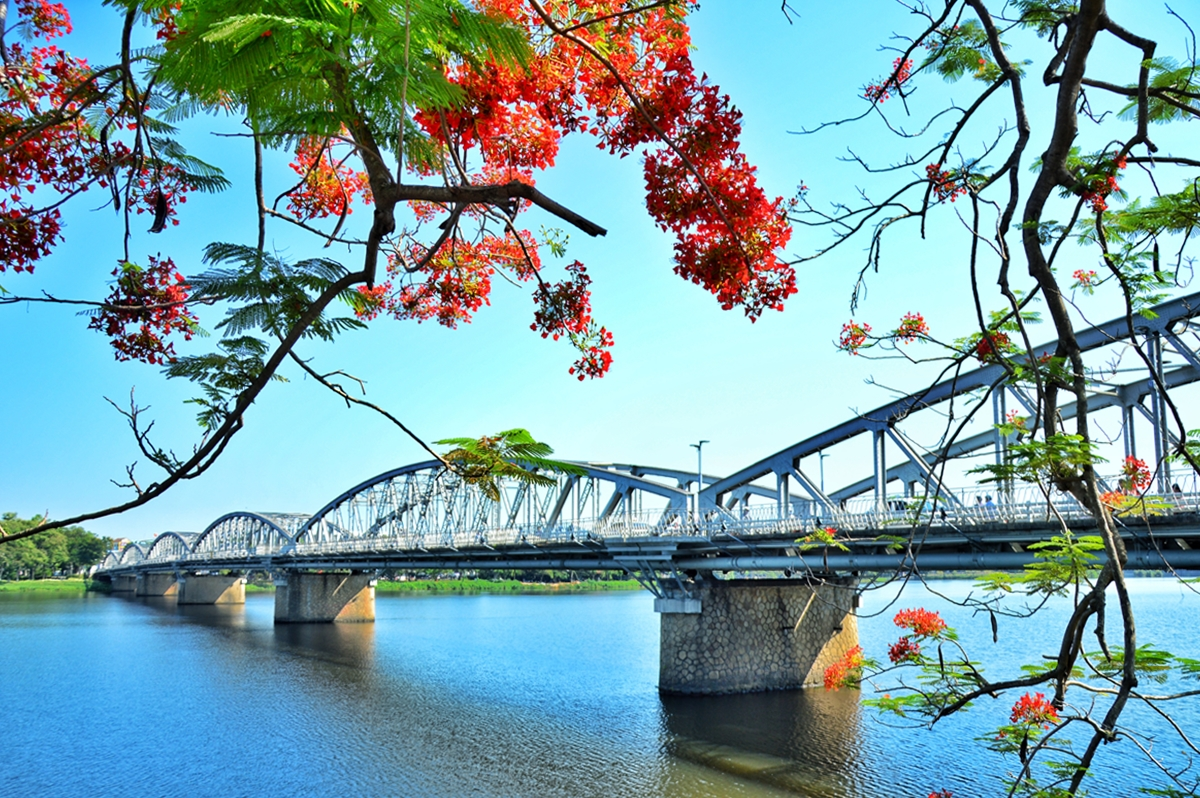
[822, 456]
[699, 447]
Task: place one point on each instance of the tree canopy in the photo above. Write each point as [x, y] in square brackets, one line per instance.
[434, 115]
[1043, 131]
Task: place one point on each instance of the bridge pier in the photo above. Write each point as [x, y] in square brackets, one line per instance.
[157, 585]
[751, 635]
[124, 583]
[212, 589]
[323, 598]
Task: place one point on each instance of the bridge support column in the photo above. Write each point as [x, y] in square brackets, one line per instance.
[322, 598]
[212, 589]
[157, 585]
[124, 583]
[751, 635]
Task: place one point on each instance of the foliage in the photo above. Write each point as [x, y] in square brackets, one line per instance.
[437, 114]
[1106, 178]
[66, 550]
[512, 454]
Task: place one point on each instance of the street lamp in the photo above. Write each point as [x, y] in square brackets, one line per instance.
[699, 447]
[822, 455]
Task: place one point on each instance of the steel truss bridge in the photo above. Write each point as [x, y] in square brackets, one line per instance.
[904, 512]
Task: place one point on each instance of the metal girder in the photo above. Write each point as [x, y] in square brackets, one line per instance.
[918, 460]
[1167, 315]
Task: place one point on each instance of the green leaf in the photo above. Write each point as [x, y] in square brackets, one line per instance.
[513, 454]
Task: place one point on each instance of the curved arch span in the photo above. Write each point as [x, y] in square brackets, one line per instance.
[244, 534]
[170, 546]
[424, 505]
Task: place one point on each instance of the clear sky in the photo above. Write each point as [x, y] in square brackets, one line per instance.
[684, 370]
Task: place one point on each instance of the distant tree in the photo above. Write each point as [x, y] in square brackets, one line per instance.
[68, 549]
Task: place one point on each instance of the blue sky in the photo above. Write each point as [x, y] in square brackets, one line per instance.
[684, 370]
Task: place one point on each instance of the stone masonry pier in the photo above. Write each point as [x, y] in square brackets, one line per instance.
[212, 589]
[157, 584]
[750, 635]
[322, 598]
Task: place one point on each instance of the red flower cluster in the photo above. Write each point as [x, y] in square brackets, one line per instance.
[941, 794]
[854, 336]
[700, 187]
[904, 650]
[921, 622]
[1034, 710]
[992, 346]
[49, 20]
[565, 308]
[145, 306]
[1085, 278]
[946, 185]
[912, 326]
[901, 71]
[326, 185]
[1135, 476]
[37, 83]
[1100, 187]
[1016, 420]
[844, 672]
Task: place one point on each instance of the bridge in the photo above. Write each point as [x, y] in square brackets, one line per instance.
[682, 534]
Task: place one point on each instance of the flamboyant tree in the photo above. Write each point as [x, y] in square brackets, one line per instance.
[1095, 176]
[431, 118]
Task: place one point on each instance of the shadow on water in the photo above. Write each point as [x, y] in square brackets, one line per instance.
[349, 644]
[803, 741]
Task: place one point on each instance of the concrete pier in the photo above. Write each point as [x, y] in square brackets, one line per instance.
[157, 584]
[124, 583]
[751, 635]
[212, 589]
[322, 598]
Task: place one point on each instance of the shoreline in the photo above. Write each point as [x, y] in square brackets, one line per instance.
[415, 586]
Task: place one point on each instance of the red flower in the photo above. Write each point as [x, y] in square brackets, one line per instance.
[844, 672]
[904, 650]
[1034, 710]
[922, 622]
[854, 336]
[1135, 475]
[912, 326]
[901, 71]
[989, 347]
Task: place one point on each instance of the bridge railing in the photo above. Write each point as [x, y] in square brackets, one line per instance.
[754, 521]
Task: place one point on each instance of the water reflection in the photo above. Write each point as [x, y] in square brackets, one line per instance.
[804, 741]
[350, 645]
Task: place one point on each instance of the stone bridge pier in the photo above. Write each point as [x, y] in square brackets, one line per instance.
[124, 583]
[212, 589]
[322, 598]
[157, 585]
[751, 635]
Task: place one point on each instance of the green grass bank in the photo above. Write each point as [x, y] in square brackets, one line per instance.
[75, 584]
[484, 586]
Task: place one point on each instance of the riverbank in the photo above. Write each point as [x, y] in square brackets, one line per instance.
[471, 586]
[75, 584]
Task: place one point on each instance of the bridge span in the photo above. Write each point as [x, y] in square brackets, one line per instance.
[692, 538]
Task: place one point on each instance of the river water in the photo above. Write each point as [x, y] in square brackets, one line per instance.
[534, 695]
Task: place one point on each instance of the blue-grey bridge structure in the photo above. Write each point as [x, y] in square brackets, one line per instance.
[674, 529]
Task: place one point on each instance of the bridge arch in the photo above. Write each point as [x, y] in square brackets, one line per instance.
[245, 534]
[792, 482]
[132, 554]
[425, 505]
[169, 547]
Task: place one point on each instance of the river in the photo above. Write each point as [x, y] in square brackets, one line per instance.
[528, 695]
